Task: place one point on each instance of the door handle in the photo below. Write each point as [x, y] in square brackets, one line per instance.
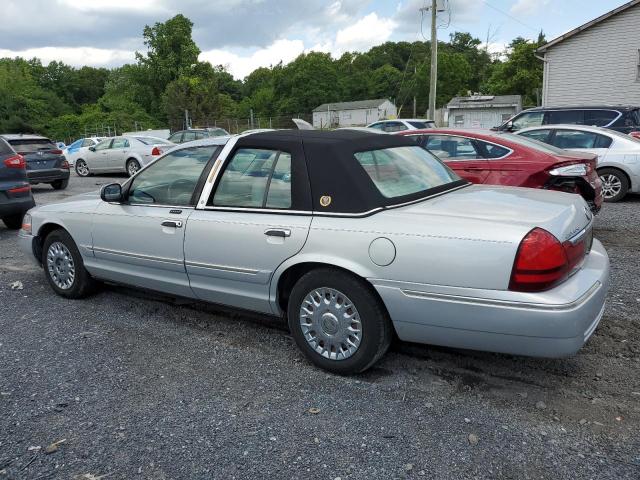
[278, 232]
[172, 223]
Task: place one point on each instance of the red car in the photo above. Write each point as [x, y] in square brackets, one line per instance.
[500, 158]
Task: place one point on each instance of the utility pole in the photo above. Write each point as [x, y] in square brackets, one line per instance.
[434, 61]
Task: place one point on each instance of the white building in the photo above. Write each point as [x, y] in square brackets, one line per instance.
[349, 114]
[482, 111]
[596, 63]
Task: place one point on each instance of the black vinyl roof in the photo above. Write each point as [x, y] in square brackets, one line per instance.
[333, 169]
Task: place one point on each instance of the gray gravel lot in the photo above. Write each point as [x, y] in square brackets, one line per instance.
[138, 386]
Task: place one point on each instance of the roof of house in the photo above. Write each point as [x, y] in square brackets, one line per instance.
[590, 24]
[357, 105]
[483, 101]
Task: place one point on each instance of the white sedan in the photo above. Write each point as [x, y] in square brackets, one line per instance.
[121, 154]
[618, 154]
[402, 124]
[79, 148]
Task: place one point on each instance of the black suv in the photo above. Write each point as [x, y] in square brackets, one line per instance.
[621, 119]
[15, 191]
[196, 134]
[45, 161]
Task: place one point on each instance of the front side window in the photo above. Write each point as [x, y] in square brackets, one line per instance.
[377, 126]
[394, 127]
[448, 148]
[568, 139]
[256, 178]
[540, 135]
[87, 142]
[103, 145]
[529, 119]
[173, 179]
[175, 138]
[401, 171]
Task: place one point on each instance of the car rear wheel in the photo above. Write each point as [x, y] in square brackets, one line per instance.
[615, 184]
[60, 184]
[63, 266]
[132, 166]
[82, 169]
[13, 222]
[338, 322]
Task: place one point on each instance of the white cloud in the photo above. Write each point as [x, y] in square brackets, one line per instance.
[76, 56]
[101, 5]
[364, 34]
[528, 7]
[241, 66]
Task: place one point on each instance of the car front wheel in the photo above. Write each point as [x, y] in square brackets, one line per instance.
[82, 169]
[63, 266]
[614, 184]
[338, 321]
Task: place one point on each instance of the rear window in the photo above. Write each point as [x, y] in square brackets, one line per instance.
[401, 171]
[32, 145]
[152, 141]
[421, 125]
[5, 149]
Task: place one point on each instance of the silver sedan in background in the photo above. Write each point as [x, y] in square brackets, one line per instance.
[121, 154]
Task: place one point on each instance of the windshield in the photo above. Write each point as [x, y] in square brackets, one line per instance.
[152, 141]
[32, 145]
[401, 171]
[531, 143]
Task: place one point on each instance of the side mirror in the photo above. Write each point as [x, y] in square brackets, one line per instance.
[111, 193]
[93, 149]
[509, 126]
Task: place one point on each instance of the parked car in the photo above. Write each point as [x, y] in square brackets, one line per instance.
[183, 136]
[618, 154]
[44, 160]
[497, 158]
[120, 154]
[618, 118]
[349, 235]
[15, 190]
[79, 148]
[401, 124]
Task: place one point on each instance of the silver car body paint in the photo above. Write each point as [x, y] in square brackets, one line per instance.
[446, 284]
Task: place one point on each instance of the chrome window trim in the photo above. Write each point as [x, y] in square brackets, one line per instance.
[469, 138]
[215, 171]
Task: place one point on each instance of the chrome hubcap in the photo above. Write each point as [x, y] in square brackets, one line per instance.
[61, 266]
[331, 323]
[611, 185]
[133, 168]
[82, 169]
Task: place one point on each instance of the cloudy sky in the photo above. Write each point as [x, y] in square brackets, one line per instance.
[246, 34]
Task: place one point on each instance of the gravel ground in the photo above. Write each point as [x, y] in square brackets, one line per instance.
[128, 385]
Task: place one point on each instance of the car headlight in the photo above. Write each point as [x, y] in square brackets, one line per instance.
[575, 170]
[26, 223]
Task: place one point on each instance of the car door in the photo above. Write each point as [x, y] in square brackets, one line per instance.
[257, 216]
[117, 154]
[140, 241]
[461, 154]
[97, 159]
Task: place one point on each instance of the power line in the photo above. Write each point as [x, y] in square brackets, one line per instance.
[510, 16]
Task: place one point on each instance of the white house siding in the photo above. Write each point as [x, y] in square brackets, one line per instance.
[350, 118]
[596, 66]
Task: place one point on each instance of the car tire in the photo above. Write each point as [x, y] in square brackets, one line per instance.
[13, 222]
[615, 184]
[132, 167]
[341, 346]
[60, 184]
[82, 169]
[64, 268]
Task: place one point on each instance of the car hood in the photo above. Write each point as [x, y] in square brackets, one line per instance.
[505, 208]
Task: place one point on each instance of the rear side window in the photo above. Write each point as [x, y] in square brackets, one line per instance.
[394, 127]
[32, 145]
[175, 138]
[491, 150]
[120, 143]
[419, 125]
[449, 148]
[256, 178]
[188, 136]
[599, 118]
[568, 139]
[565, 116]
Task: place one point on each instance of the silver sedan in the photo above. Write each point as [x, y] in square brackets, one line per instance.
[350, 236]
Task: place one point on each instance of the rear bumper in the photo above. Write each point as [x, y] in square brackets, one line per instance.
[48, 175]
[555, 323]
[15, 206]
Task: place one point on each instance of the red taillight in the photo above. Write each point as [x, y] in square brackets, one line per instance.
[65, 164]
[16, 161]
[55, 151]
[156, 151]
[543, 262]
[24, 189]
[635, 134]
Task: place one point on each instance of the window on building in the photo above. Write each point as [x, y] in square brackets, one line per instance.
[458, 119]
